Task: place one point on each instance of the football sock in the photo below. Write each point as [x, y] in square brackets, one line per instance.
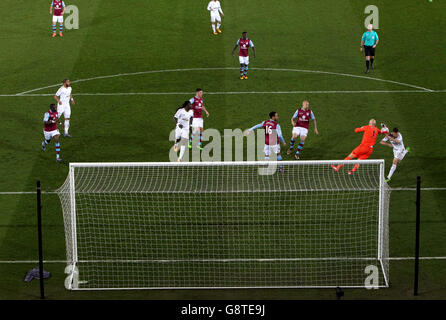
[242, 68]
[44, 143]
[392, 170]
[246, 70]
[371, 61]
[300, 146]
[60, 27]
[355, 167]
[182, 149]
[218, 25]
[279, 158]
[213, 27]
[67, 126]
[341, 165]
[292, 143]
[191, 138]
[57, 150]
[201, 135]
[367, 64]
[54, 28]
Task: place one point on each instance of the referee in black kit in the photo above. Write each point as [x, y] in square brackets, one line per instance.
[369, 41]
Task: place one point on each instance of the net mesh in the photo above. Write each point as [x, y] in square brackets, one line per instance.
[225, 225]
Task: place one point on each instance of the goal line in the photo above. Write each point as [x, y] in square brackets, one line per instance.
[64, 261]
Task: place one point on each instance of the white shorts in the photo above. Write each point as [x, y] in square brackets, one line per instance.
[399, 154]
[299, 131]
[64, 109]
[57, 19]
[181, 133]
[50, 134]
[243, 60]
[275, 149]
[215, 17]
[197, 123]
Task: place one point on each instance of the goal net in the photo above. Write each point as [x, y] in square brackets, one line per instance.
[225, 225]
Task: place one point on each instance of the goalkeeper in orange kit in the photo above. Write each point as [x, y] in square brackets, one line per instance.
[365, 149]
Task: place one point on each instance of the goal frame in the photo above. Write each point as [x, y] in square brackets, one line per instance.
[72, 263]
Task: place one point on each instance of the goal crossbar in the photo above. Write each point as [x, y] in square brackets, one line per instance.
[221, 163]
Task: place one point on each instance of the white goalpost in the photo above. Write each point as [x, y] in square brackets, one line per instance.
[225, 225]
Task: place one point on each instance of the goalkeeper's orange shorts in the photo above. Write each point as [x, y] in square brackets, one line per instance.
[362, 152]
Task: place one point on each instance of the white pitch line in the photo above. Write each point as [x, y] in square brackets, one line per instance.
[125, 75]
[413, 258]
[224, 260]
[30, 261]
[7, 193]
[348, 75]
[227, 68]
[225, 93]
[414, 189]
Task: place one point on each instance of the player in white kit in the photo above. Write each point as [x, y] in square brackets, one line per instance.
[63, 97]
[183, 120]
[215, 8]
[399, 151]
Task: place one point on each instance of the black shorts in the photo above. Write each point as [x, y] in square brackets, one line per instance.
[369, 51]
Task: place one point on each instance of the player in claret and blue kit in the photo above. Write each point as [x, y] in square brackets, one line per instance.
[50, 130]
[243, 54]
[57, 9]
[301, 121]
[197, 121]
[273, 134]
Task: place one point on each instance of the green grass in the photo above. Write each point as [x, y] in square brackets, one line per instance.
[117, 37]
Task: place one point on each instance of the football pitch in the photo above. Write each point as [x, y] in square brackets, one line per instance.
[131, 64]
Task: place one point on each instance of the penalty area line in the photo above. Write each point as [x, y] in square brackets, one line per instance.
[227, 93]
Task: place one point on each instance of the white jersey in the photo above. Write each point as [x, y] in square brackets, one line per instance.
[64, 94]
[397, 147]
[214, 7]
[184, 117]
